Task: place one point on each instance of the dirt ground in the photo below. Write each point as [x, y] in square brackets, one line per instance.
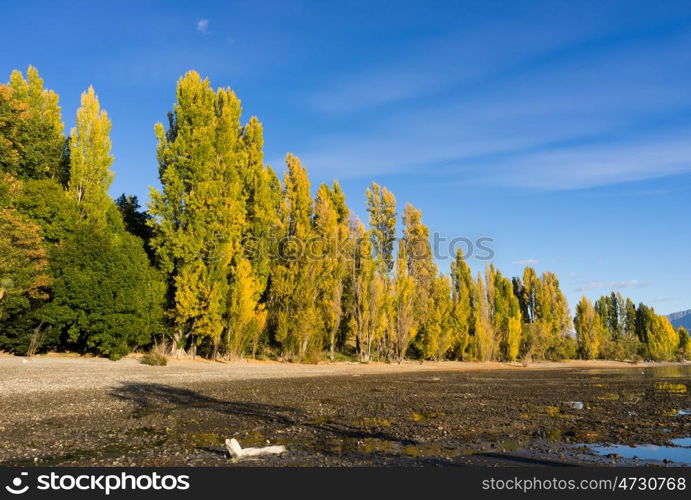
[74, 411]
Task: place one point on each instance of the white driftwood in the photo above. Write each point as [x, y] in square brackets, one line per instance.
[236, 451]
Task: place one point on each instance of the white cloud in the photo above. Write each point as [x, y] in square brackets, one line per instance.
[526, 262]
[611, 285]
[203, 25]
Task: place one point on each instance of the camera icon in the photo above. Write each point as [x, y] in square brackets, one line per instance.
[16, 487]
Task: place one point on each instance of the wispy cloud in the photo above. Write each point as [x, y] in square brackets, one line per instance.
[203, 25]
[526, 262]
[592, 119]
[476, 57]
[594, 165]
[663, 299]
[611, 285]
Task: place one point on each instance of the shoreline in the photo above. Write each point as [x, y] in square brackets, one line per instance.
[57, 372]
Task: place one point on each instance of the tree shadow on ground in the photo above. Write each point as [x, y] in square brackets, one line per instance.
[161, 399]
[150, 398]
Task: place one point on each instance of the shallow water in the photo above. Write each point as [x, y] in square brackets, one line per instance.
[680, 453]
[667, 371]
[685, 442]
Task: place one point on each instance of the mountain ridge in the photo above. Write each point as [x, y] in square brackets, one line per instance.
[681, 318]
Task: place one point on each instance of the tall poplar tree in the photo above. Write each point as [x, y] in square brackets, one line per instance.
[588, 325]
[439, 327]
[262, 191]
[462, 313]
[362, 273]
[406, 317]
[90, 160]
[423, 271]
[484, 343]
[199, 215]
[506, 315]
[381, 207]
[331, 227]
[42, 151]
[294, 284]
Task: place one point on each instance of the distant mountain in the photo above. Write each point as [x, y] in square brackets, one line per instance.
[681, 318]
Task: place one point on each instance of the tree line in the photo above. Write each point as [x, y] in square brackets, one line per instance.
[230, 261]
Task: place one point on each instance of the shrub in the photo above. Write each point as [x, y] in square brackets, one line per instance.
[154, 359]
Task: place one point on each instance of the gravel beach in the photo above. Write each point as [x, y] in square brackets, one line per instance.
[57, 410]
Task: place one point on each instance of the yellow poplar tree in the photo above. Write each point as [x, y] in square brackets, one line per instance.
[589, 330]
[422, 270]
[484, 341]
[440, 332]
[294, 287]
[246, 316]
[199, 216]
[90, 160]
[262, 191]
[461, 314]
[663, 340]
[41, 134]
[331, 227]
[406, 316]
[381, 208]
[506, 316]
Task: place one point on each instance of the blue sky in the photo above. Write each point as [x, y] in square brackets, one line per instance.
[562, 130]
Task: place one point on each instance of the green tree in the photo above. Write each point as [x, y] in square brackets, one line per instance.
[23, 259]
[106, 298]
[136, 221]
[684, 349]
[618, 316]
